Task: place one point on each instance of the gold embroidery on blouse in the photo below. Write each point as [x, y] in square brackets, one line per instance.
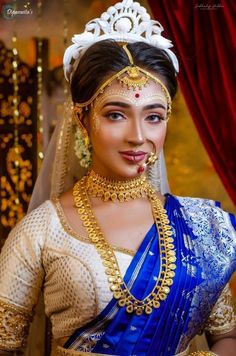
[14, 325]
[222, 318]
[72, 232]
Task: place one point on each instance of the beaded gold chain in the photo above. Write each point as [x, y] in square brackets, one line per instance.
[116, 282]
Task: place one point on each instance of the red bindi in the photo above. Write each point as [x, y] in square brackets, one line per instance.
[137, 95]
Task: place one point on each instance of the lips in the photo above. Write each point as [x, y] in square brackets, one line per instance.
[133, 156]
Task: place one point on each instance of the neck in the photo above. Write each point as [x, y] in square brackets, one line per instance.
[115, 178]
[121, 190]
[98, 168]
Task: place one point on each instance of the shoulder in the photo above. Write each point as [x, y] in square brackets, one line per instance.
[213, 228]
[39, 216]
[205, 211]
[191, 203]
[33, 227]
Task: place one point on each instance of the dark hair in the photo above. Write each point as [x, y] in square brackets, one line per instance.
[105, 58]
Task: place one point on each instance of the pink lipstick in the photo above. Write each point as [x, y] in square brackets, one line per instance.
[133, 156]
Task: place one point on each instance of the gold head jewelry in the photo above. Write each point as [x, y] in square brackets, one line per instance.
[133, 77]
[120, 290]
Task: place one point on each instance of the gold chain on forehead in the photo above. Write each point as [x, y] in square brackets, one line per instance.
[132, 76]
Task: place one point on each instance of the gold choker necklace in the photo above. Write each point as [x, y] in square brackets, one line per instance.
[119, 288]
[106, 189]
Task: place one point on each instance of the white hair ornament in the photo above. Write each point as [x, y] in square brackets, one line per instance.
[126, 21]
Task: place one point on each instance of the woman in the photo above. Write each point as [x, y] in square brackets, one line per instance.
[125, 269]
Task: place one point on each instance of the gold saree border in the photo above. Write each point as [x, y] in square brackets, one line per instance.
[64, 352]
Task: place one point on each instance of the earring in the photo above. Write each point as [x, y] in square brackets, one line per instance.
[82, 144]
[152, 158]
[153, 174]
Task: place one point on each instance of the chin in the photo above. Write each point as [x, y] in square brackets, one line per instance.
[128, 172]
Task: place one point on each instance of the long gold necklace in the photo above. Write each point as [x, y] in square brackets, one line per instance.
[117, 285]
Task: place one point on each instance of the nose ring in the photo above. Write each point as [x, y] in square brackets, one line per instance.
[152, 157]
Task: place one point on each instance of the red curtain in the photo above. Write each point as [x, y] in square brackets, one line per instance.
[204, 38]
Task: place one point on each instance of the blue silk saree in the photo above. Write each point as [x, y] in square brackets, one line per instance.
[205, 245]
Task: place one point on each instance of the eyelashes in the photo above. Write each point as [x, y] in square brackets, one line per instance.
[117, 116]
[155, 118]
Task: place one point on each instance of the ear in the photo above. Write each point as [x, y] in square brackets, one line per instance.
[85, 121]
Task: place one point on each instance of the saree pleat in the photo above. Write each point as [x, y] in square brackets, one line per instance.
[169, 328]
[140, 323]
[118, 335]
[172, 329]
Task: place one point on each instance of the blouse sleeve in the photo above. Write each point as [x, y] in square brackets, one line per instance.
[21, 276]
[222, 318]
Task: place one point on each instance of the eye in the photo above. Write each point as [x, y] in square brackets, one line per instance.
[155, 118]
[115, 116]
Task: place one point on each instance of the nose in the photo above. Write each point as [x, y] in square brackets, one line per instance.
[135, 134]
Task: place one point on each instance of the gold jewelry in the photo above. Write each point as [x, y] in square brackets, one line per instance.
[106, 189]
[151, 159]
[120, 77]
[82, 144]
[129, 55]
[77, 111]
[203, 353]
[115, 280]
[134, 79]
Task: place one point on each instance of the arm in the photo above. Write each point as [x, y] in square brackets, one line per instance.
[223, 345]
[220, 328]
[21, 276]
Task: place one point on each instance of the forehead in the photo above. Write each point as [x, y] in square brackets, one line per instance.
[148, 94]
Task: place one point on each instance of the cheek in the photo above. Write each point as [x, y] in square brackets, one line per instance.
[106, 136]
[158, 134]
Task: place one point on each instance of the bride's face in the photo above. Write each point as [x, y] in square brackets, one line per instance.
[123, 127]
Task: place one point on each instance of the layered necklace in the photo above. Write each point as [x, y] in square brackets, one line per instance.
[98, 186]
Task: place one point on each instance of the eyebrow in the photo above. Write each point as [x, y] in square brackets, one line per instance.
[125, 105]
